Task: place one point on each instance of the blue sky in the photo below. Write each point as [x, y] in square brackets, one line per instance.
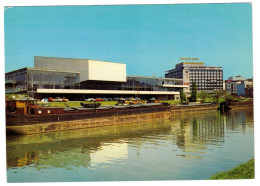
[148, 38]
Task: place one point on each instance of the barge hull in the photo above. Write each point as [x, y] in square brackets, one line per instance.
[84, 123]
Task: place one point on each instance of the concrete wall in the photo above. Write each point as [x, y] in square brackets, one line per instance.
[106, 71]
[89, 69]
[186, 80]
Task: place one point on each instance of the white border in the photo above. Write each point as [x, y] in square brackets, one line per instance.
[256, 32]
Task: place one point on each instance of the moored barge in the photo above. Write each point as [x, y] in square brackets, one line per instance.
[27, 114]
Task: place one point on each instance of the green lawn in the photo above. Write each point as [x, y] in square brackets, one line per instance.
[103, 103]
[242, 171]
[172, 102]
[76, 103]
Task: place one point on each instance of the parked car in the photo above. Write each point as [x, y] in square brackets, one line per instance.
[58, 99]
[105, 99]
[116, 98]
[99, 99]
[110, 99]
[44, 100]
[90, 99]
[50, 99]
[65, 99]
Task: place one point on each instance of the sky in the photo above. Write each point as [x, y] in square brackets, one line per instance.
[149, 39]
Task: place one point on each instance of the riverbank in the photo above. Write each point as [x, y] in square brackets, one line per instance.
[24, 125]
[242, 171]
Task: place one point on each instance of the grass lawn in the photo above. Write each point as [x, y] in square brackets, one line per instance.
[103, 103]
[77, 103]
[242, 171]
[172, 102]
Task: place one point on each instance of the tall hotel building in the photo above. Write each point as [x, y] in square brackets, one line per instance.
[207, 78]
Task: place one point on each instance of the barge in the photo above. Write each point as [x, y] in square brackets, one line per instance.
[26, 117]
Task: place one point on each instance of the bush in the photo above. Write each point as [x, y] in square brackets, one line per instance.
[203, 96]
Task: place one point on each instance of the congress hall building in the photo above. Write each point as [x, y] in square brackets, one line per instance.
[78, 79]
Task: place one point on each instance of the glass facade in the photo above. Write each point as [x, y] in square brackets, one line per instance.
[150, 84]
[136, 83]
[28, 79]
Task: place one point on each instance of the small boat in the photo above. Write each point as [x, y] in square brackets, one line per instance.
[90, 105]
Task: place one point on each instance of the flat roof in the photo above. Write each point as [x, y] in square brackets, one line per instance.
[91, 91]
[31, 68]
[151, 77]
[78, 59]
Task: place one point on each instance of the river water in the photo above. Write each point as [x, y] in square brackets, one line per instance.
[191, 147]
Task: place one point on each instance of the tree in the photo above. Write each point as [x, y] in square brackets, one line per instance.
[203, 96]
[182, 96]
[217, 95]
[193, 96]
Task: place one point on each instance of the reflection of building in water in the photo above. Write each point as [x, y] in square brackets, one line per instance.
[74, 157]
[71, 157]
[195, 132]
[79, 147]
[109, 152]
[29, 158]
[238, 119]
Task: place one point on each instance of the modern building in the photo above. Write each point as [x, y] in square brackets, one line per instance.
[78, 79]
[207, 78]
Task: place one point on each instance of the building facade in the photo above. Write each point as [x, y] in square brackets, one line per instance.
[207, 78]
[31, 79]
[78, 79]
[239, 86]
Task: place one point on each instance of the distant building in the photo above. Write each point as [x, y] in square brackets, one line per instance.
[239, 86]
[207, 78]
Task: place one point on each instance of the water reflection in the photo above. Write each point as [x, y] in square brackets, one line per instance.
[192, 136]
[63, 148]
[196, 132]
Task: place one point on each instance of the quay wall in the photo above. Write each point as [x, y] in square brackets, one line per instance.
[183, 110]
[242, 104]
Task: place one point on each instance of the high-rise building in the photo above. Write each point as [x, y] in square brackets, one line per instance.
[207, 78]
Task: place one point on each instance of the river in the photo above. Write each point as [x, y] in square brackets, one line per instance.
[190, 147]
